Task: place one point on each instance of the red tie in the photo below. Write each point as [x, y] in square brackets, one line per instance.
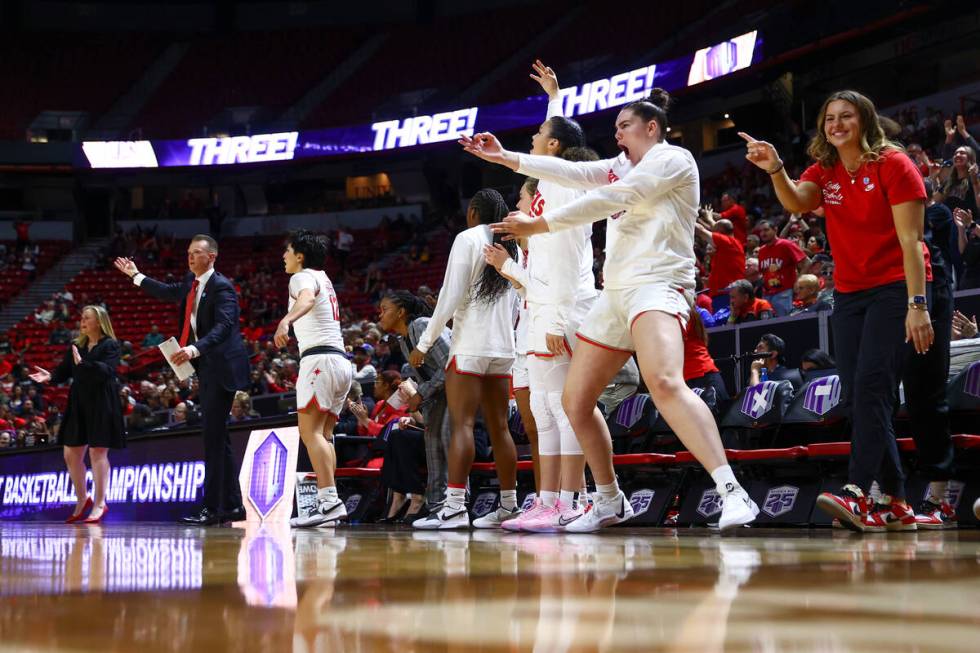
[188, 309]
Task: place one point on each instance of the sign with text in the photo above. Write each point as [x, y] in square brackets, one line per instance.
[708, 63]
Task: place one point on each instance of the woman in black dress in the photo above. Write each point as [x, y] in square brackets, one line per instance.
[93, 418]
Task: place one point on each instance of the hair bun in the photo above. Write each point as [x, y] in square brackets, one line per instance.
[660, 98]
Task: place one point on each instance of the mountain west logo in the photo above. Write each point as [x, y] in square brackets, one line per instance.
[710, 503]
[484, 503]
[954, 492]
[353, 501]
[780, 500]
[528, 501]
[971, 384]
[758, 399]
[822, 395]
[630, 410]
[641, 500]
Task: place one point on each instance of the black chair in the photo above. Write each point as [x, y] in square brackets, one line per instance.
[630, 422]
[757, 413]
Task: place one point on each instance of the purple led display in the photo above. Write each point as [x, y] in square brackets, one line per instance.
[705, 64]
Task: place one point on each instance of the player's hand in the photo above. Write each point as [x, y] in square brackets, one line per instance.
[546, 77]
[181, 356]
[556, 344]
[484, 146]
[126, 266]
[519, 225]
[416, 358]
[495, 255]
[918, 330]
[76, 355]
[760, 153]
[281, 338]
[40, 375]
[414, 402]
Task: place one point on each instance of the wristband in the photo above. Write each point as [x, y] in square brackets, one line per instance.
[776, 169]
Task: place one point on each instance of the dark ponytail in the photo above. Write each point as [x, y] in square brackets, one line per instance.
[413, 306]
[566, 131]
[491, 207]
[654, 107]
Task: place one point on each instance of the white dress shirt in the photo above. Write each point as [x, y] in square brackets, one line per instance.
[201, 282]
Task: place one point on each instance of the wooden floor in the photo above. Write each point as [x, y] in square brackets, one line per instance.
[161, 587]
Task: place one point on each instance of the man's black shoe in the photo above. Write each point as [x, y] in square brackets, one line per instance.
[205, 517]
[236, 514]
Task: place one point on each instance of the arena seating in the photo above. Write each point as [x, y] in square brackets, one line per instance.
[69, 72]
[13, 279]
[271, 70]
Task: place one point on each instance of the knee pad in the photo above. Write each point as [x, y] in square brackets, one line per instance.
[549, 437]
[569, 442]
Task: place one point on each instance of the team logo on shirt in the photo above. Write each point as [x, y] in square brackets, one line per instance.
[832, 194]
[537, 205]
[613, 178]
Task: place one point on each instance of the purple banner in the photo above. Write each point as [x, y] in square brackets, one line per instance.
[705, 64]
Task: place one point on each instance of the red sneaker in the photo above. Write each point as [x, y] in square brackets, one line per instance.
[850, 506]
[935, 516]
[890, 516]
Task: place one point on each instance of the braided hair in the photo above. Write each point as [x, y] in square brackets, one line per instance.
[490, 206]
[413, 306]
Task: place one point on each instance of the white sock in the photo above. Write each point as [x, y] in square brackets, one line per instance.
[508, 499]
[327, 493]
[725, 481]
[455, 498]
[568, 499]
[549, 498]
[608, 492]
[937, 491]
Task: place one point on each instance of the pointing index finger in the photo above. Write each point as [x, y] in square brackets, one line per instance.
[747, 138]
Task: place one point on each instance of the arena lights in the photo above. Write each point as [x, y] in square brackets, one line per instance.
[707, 63]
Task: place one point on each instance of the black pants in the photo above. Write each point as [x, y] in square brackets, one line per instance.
[870, 349]
[221, 490]
[711, 380]
[925, 377]
[404, 462]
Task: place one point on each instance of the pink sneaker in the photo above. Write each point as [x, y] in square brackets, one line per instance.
[544, 520]
[517, 524]
[554, 520]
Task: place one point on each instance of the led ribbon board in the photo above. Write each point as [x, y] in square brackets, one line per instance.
[708, 63]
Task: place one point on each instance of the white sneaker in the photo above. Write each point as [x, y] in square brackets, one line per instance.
[496, 518]
[602, 513]
[324, 513]
[737, 509]
[446, 519]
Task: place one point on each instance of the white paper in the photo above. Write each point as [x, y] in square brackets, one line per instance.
[170, 347]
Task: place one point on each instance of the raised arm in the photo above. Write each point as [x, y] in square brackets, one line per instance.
[796, 197]
[168, 292]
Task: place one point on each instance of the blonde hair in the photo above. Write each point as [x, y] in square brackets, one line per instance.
[102, 316]
[873, 137]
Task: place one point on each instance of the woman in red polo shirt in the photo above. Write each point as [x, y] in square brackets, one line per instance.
[873, 198]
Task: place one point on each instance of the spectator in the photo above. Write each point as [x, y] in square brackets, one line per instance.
[364, 372]
[968, 237]
[6, 439]
[241, 408]
[808, 300]
[177, 416]
[153, 338]
[816, 360]
[700, 370]
[727, 261]
[45, 313]
[774, 363]
[373, 423]
[347, 423]
[753, 275]
[745, 306]
[734, 212]
[778, 261]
